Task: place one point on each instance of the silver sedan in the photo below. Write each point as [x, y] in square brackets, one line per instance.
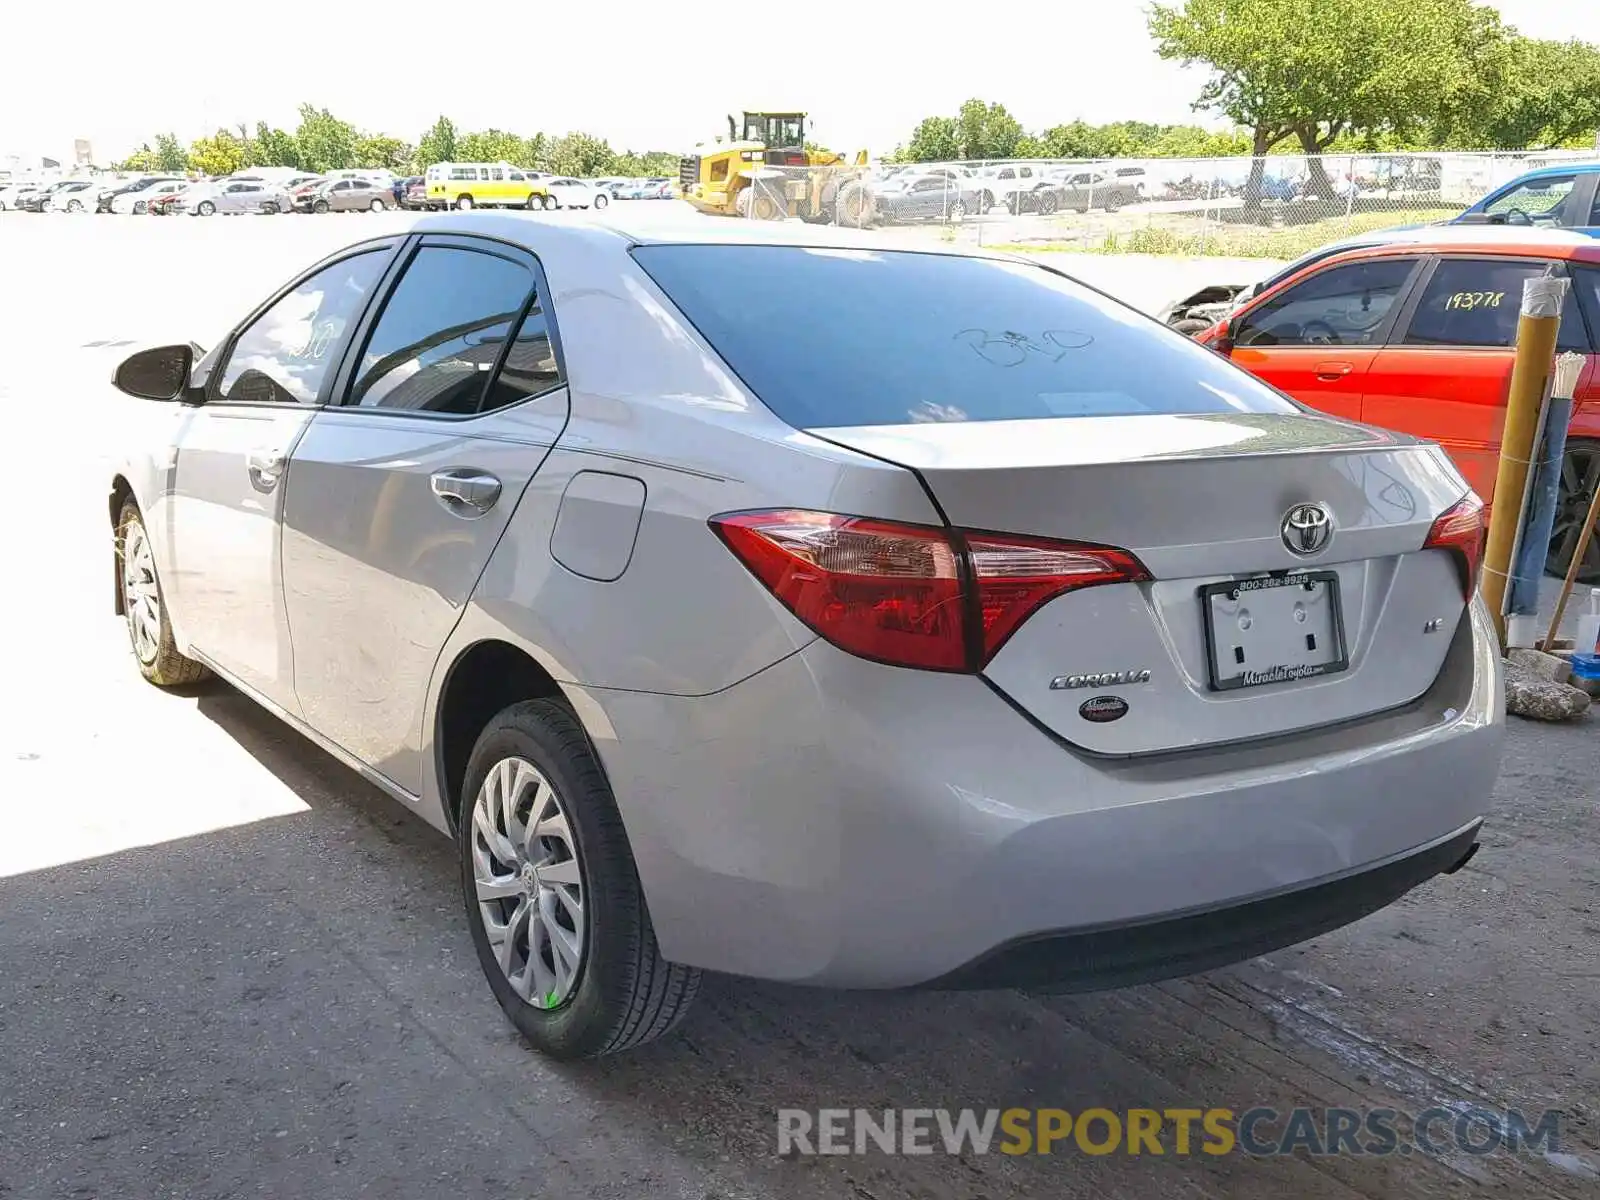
[763, 600]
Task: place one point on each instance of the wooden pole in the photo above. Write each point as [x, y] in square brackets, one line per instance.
[1572, 570]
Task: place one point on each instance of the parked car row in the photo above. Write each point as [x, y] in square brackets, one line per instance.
[949, 192]
[271, 190]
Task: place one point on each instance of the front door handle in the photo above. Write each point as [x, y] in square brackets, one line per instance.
[265, 467]
[1333, 370]
[466, 493]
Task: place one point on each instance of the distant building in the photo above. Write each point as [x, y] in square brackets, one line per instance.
[82, 152]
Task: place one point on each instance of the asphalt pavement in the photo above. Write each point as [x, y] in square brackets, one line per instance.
[228, 967]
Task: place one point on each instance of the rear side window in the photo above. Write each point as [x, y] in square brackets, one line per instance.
[1476, 303]
[835, 337]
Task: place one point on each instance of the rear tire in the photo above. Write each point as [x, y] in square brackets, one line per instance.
[321, 206]
[601, 200]
[378, 205]
[206, 208]
[559, 921]
[463, 202]
[145, 609]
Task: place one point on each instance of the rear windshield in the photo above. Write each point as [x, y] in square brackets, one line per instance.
[830, 338]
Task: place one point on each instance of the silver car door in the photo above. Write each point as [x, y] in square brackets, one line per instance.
[397, 498]
[231, 459]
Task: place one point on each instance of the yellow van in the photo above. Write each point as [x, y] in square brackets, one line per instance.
[470, 185]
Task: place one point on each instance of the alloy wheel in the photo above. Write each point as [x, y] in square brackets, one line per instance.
[141, 599]
[529, 883]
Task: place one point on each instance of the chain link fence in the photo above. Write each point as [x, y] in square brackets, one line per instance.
[1273, 207]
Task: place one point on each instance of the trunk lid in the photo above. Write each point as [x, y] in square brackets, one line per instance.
[1191, 657]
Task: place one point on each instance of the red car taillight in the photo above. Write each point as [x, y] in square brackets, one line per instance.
[912, 595]
[1460, 529]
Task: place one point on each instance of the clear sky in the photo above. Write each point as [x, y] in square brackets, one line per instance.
[656, 77]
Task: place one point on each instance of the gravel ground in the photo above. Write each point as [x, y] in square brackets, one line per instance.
[231, 968]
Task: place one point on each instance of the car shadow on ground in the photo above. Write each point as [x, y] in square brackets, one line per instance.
[296, 1004]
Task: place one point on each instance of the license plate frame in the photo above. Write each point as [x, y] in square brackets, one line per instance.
[1279, 673]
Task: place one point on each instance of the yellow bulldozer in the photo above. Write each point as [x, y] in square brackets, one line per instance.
[766, 172]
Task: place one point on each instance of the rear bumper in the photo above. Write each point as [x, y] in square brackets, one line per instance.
[1137, 952]
[836, 822]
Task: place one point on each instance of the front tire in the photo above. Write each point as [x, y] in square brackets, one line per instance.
[206, 208]
[553, 900]
[321, 206]
[149, 630]
[601, 200]
[378, 205]
[463, 203]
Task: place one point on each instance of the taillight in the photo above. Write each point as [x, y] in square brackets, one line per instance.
[912, 595]
[1016, 575]
[1460, 529]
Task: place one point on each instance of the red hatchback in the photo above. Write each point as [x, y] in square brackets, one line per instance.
[1418, 337]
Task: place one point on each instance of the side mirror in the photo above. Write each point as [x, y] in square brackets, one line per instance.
[158, 374]
[1222, 339]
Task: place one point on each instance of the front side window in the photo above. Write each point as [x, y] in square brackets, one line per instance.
[839, 337]
[441, 332]
[285, 355]
[1342, 306]
[1476, 303]
[1536, 202]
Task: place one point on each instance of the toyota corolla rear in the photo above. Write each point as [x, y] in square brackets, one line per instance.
[1159, 671]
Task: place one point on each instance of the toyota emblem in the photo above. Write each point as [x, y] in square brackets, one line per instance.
[1307, 529]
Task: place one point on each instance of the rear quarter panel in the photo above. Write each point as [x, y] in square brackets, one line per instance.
[651, 403]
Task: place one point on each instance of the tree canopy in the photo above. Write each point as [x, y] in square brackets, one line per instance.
[323, 142]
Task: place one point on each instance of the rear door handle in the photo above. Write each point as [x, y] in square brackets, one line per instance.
[1333, 370]
[265, 468]
[465, 493]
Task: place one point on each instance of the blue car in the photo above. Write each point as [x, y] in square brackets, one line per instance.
[1556, 197]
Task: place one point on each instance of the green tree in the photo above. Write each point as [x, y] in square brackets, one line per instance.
[170, 154]
[1314, 70]
[581, 154]
[489, 145]
[381, 150]
[142, 159]
[437, 145]
[651, 163]
[935, 139]
[1528, 94]
[274, 148]
[986, 131]
[535, 153]
[220, 154]
[326, 143]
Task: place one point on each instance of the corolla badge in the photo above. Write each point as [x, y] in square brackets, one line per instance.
[1307, 529]
[1102, 679]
